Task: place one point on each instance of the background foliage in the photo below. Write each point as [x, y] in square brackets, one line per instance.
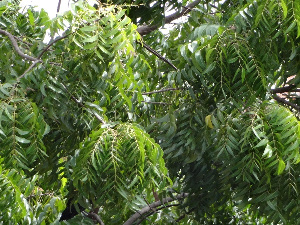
[95, 120]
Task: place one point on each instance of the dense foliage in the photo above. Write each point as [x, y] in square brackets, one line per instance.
[92, 119]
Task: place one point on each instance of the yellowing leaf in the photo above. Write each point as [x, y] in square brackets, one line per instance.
[208, 121]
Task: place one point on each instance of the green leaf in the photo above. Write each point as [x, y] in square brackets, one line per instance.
[22, 140]
[22, 132]
[284, 8]
[209, 68]
[262, 143]
[31, 18]
[297, 15]
[290, 27]
[268, 151]
[104, 50]
[125, 21]
[281, 166]
[91, 39]
[243, 74]
[90, 46]
[89, 28]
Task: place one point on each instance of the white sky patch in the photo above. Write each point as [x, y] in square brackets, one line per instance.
[50, 6]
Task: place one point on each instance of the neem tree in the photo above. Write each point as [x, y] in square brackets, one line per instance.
[203, 129]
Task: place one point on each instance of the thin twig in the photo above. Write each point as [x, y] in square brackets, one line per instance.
[159, 103]
[58, 7]
[21, 40]
[157, 54]
[39, 195]
[162, 90]
[52, 43]
[29, 68]
[213, 6]
[182, 216]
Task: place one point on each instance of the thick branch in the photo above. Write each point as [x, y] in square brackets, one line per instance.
[16, 47]
[283, 89]
[294, 106]
[152, 206]
[155, 211]
[146, 29]
[96, 217]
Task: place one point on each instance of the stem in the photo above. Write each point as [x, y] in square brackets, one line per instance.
[159, 103]
[162, 90]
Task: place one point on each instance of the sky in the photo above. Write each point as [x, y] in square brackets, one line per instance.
[49, 6]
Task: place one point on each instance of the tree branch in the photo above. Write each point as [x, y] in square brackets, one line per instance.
[294, 106]
[150, 207]
[157, 54]
[52, 43]
[283, 89]
[146, 29]
[16, 47]
[158, 103]
[29, 68]
[162, 90]
[140, 220]
[96, 217]
[58, 7]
